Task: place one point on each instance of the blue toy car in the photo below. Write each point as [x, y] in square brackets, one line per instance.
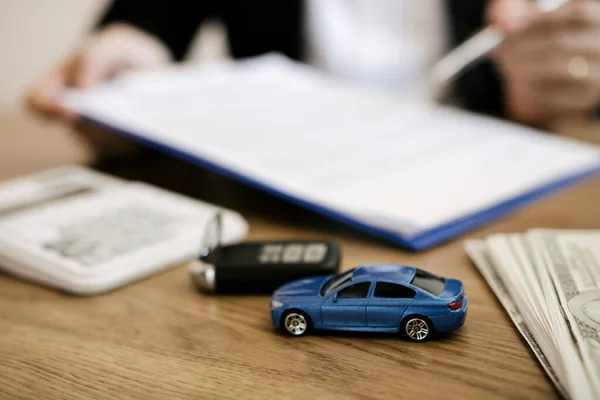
[372, 298]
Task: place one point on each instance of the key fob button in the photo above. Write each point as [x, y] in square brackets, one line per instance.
[292, 253]
[271, 253]
[315, 253]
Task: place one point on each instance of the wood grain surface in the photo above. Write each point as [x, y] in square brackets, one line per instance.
[159, 339]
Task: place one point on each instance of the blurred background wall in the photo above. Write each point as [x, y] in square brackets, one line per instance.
[35, 34]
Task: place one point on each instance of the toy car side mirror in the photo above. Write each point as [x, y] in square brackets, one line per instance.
[334, 298]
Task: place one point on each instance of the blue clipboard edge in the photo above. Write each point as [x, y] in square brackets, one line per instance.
[420, 242]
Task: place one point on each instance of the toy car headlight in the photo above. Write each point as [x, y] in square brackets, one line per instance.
[276, 304]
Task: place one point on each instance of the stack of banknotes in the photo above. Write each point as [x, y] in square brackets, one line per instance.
[549, 283]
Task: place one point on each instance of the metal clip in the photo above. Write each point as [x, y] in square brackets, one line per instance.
[213, 236]
[201, 270]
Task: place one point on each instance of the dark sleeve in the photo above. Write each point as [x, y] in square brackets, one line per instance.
[265, 26]
[479, 87]
[174, 22]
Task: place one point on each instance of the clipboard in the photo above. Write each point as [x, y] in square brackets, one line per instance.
[111, 107]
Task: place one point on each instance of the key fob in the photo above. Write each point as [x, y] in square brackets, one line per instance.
[261, 267]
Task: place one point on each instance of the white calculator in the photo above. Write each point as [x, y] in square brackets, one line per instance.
[86, 233]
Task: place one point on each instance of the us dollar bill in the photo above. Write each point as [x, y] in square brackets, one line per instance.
[478, 253]
[574, 265]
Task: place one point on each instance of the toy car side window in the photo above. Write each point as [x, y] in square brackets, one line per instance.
[357, 291]
[393, 291]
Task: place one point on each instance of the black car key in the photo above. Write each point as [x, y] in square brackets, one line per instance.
[260, 267]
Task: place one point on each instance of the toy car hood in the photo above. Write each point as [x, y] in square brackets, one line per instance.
[302, 287]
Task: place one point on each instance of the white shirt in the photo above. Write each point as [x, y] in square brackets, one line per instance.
[388, 44]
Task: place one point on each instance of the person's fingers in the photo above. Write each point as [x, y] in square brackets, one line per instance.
[563, 100]
[90, 69]
[571, 98]
[41, 99]
[86, 68]
[522, 105]
[548, 58]
[511, 16]
[578, 13]
[551, 67]
[37, 99]
[114, 51]
[558, 70]
[584, 42]
[537, 77]
[102, 57]
[525, 47]
[540, 106]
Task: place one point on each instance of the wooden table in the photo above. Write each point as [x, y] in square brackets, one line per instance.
[159, 339]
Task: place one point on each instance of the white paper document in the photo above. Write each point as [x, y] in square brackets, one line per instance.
[402, 166]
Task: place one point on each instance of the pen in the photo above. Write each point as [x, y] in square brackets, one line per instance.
[473, 50]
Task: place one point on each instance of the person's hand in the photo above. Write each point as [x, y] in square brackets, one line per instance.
[550, 61]
[102, 56]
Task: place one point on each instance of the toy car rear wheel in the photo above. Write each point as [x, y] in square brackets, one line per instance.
[416, 328]
[296, 323]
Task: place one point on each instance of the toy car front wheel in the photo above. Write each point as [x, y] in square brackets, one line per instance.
[296, 323]
[416, 328]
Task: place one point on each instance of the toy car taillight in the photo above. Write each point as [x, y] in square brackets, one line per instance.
[455, 305]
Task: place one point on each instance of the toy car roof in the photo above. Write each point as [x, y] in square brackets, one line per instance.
[399, 273]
